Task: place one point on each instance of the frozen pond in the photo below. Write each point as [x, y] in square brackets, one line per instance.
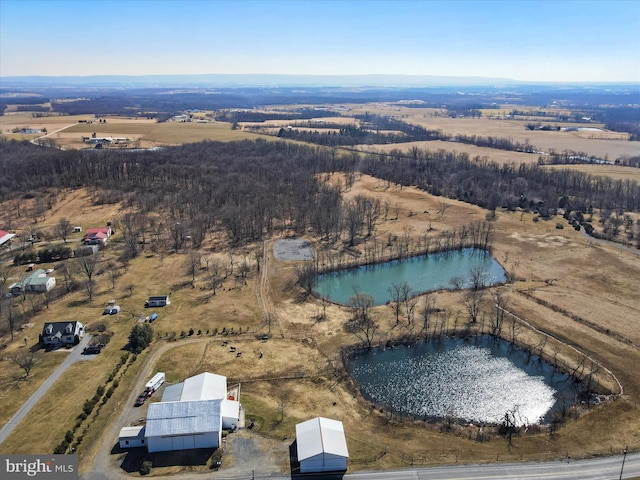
[477, 380]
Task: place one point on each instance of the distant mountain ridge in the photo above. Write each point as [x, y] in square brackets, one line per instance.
[254, 80]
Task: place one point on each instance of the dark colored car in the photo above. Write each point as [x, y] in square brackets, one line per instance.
[143, 397]
[92, 350]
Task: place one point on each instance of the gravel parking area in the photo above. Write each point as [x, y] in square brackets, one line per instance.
[293, 249]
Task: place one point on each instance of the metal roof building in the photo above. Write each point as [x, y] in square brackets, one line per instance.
[132, 437]
[183, 425]
[206, 386]
[321, 446]
[191, 414]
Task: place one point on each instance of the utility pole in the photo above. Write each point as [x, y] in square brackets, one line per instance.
[624, 457]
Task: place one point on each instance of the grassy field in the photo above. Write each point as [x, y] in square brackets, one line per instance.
[583, 294]
[615, 172]
[615, 145]
[603, 144]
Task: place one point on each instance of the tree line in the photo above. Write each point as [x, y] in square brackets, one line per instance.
[251, 189]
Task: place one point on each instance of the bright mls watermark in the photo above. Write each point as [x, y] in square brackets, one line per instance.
[51, 467]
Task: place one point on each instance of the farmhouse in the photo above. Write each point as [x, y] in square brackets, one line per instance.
[36, 282]
[321, 446]
[62, 333]
[97, 236]
[5, 237]
[192, 414]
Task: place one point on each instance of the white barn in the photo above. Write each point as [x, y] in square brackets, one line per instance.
[192, 414]
[183, 425]
[206, 386]
[321, 446]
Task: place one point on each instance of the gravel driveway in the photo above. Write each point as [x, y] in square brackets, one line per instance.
[72, 357]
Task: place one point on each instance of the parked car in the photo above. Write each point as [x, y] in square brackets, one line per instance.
[92, 350]
[143, 397]
[153, 317]
[111, 310]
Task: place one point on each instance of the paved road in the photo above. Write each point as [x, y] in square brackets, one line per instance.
[605, 468]
[72, 357]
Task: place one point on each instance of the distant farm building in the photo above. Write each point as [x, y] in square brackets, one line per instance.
[97, 236]
[59, 334]
[321, 446]
[157, 301]
[36, 282]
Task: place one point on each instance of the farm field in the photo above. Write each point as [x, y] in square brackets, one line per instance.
[145, 133]
[66, 132]
[491, 154]
[615, 172]
[615, 145]
[582, 293]
[602, 144]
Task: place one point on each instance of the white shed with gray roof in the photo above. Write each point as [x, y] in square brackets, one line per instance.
[183, 425]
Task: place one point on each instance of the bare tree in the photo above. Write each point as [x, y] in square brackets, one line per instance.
[473, 301]
[178, 235]
[244, 268]
[427, 313]
[63, 229]
[307, 276]
[495, 327]
[7, 310]
[410, 308]
[192, 264]
[214, 277]
[442, 204]
[26, 360]
[87, 266]
[114, 274]
[362, 325]
[396, 290]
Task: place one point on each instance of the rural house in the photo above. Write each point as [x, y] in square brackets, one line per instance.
[5, 237]
[97, 236]
[321, 446]
[57, 334]
[36, 282]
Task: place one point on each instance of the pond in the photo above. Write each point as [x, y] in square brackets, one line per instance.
[424, 273]
[474, 380]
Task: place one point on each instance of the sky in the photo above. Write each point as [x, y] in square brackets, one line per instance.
[537, 41]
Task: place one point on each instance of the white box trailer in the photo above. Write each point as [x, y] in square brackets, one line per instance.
[155, 382]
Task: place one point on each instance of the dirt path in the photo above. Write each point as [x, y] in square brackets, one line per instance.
[72, 357]
[608, 243]
[262, 293]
